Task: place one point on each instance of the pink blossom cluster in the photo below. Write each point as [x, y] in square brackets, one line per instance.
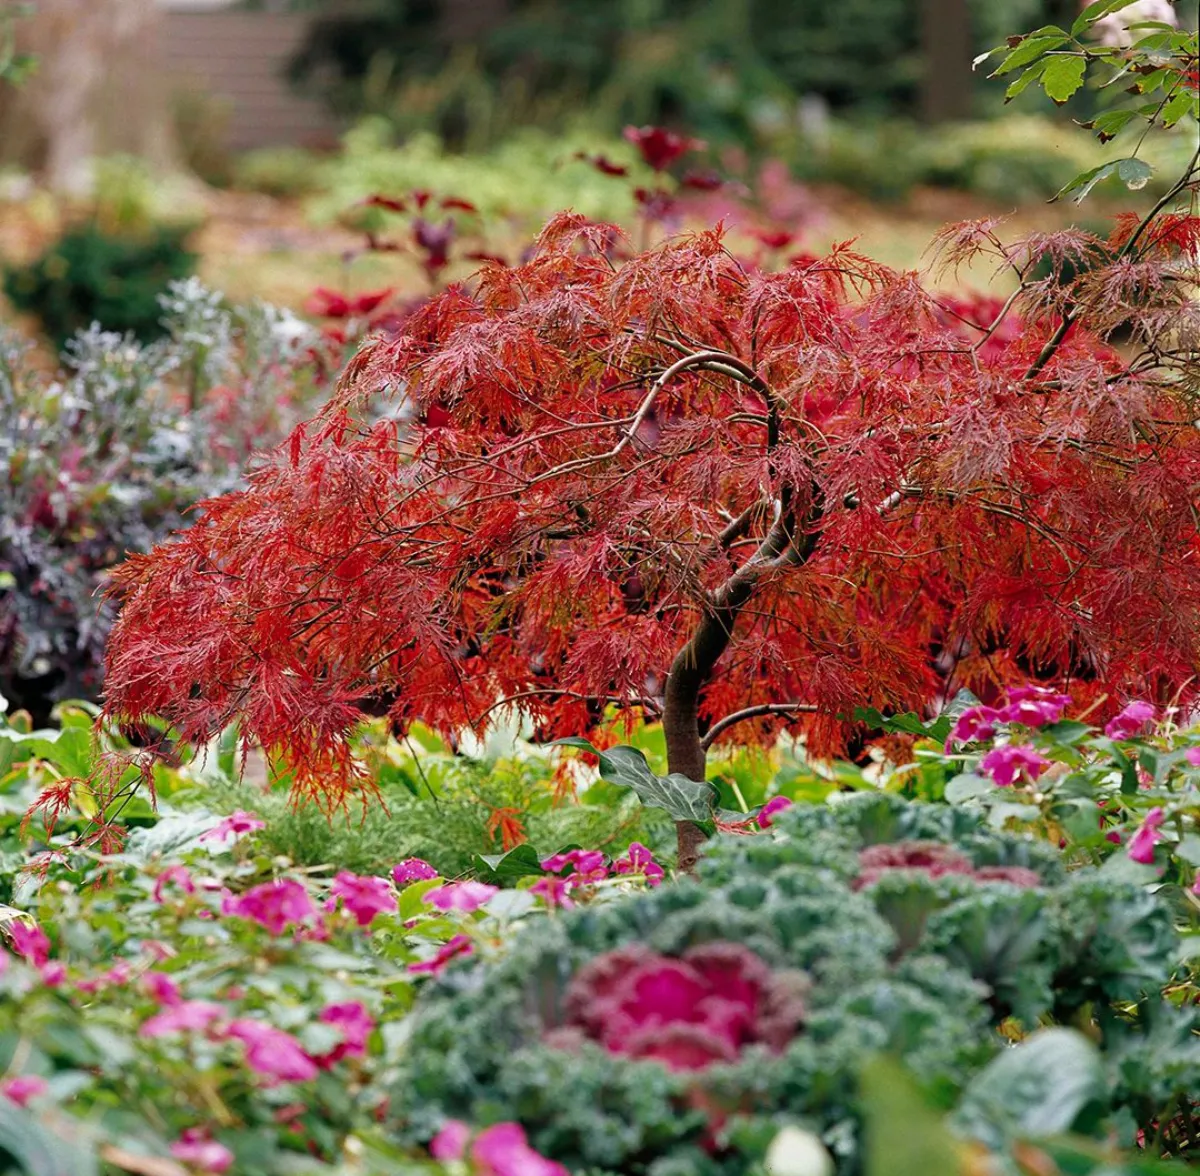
[578, 868]
[1031, 706]
[936, 860]
[499, 1150]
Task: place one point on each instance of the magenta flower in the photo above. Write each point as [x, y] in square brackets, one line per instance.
[161, 988]
[1142, 843]
[23, 1088]
[29, 942]
[459, 945]
[1033, 706]
[1192, 755]
[451, 1142]
[975, 724]
[587, 865]
[503, 1150]
[461, 896]
[273, 1053]
[196, 1149]
[554, 892]
[275, 905]
[173, 874]
[639, 860]
[187, 1016]
[1006, 764]
[363, 896]
[412, 870]
[1131, 721]
[355, 1024]
[53, 973]
[774, 805]
[234, 825]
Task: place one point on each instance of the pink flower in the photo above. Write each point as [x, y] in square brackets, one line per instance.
[554, 892]
[187, 1016]
[451, 1142]
[275, 905]
[503, 1150]
[54, 973]
[774, 805]
[272, 1052]
[234, 825]
[412, 870]
[461, 896]
[198, 1151]
[1142, 843]
[1006, 764]
[1192, 755]
[459, 945]
[975, 724]
[1033, 706]
[363, 896]
[23, 1088]
[161, 988]
[640, 860]
[587, 865]
[355, 1024]
[1130, 721]
[29, 942]
[176, 874]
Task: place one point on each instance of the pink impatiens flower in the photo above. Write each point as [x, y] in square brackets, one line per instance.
[1192, 755]
[975, 724]
[23, 1088]
[234, 825]
[451, 1142]
[639, 860]
[1006, 764]
[161, 988]
[587, 865]
[187, 1016]
[275, 905]
[272, 1052]
[1033, 706]
[54, 973]
[195, 1149]
[355, 1024]
[29, 942]
[173, 874]
[461, 896]
[459, 945]
[503, 1150]
[1142, 843]
[363, 896]
[554, 892]
[412, 870]
[1131, 721]
[774, 805]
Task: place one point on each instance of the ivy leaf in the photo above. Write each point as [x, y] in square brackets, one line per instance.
[1039, 1089]
[1062, 76]
[683, 798]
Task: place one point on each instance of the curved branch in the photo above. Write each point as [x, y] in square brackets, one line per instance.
[754, 712]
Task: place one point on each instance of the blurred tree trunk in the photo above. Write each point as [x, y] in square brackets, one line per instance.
[946, 84]
[78, 44]
[464, 21]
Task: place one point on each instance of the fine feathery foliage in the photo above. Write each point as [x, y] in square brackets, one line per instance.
[673, 482]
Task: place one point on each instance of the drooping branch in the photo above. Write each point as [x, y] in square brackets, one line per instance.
[754, 712]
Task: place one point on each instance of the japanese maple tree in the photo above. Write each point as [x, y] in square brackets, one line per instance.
[672, 484]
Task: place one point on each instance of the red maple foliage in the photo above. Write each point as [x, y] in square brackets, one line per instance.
[726, 498]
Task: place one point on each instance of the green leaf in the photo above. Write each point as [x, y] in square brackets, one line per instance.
[1036, 1090]
[904, 1135]
[1093, 12]
[907, 722]
[1189, 849]
[1134, 172]
[968, 786]
[1067, 731]
[1185, 102]
[1022, 83]
[1111, 123]
[41, 1150]
[1062, 76]
[1028, 51]
[497, 868]
[683, 798]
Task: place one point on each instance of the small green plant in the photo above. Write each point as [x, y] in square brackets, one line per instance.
[90, 276]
